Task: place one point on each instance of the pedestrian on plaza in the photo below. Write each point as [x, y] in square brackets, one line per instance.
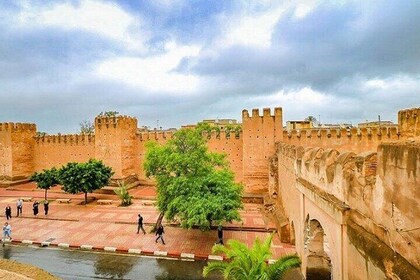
[7, 231]
[220, 235]
[46, 206]
[19, 206]
[35, 207]
[159, 233]
[8, 212]
[140, 225]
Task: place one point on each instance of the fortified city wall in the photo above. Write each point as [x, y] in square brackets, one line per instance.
[118, 143]
[366, 203]
[56, 150]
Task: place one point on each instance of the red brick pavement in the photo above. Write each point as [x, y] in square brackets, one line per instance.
[113, 226]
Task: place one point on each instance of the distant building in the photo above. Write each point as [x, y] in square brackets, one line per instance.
[290, 125]
[377, 124]
[220, 123]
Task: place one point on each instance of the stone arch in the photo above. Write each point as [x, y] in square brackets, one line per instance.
[317, 251]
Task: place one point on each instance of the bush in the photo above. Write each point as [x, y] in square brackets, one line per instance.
[123, 194]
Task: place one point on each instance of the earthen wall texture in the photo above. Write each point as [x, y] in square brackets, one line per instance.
[16, 150]
[231, 146]
[355, 140]
[56, 151]
[380, 190]
[259, 136]
[409, 122]
[115, 144]
[142, 138]
[5, 154]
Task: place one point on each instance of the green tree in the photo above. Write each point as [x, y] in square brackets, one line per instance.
[123, 194]
[87, 127]
[46, 179]
[84, 177]
[194, 185]
[108, 114]
[250, 263]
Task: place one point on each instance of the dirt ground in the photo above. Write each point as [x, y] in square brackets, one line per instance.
[18, 271]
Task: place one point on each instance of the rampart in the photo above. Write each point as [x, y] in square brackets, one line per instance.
[409, 122]
[57, 150]
[353, 139]
[16, 151]
[260, 133]
[378, 194]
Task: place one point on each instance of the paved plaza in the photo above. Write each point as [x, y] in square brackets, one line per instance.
[112, 227]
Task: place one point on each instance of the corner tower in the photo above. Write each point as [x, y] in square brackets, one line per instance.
[17, 141]
[260, 133]
[115, 144]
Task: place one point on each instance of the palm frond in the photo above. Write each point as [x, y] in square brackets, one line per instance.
[279, 268]
[214, 267]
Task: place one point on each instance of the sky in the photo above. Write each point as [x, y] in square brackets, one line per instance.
[175, 62]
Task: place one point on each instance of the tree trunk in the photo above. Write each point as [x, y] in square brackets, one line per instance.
[85, 198]
[159, 221]
[46, 194]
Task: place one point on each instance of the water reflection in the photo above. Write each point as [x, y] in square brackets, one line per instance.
[68, 264]
[110, 267]
[7, 251]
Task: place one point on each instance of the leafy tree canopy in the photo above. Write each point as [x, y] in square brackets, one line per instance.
[84, 177]
[250, 263]
[46, 179]
[194, 185]
[108, 114]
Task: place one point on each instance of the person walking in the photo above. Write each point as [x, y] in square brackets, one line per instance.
[220, 235]
[46, 206]
[140, 225]
[8, 212]
[7, 231]
[19, 206]
[35, 208]
[159, 232]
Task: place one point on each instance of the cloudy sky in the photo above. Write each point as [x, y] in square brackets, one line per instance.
[178, 61]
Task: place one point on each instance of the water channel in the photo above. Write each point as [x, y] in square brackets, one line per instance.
[73, 264]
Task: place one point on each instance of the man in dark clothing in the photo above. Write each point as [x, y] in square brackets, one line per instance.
[35, 208]
[46, 206]
[160, 233]
[140, 225]
[8, 212]
[220, 235]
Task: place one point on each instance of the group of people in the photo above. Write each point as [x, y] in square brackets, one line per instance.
[19, 208]
[159, 231]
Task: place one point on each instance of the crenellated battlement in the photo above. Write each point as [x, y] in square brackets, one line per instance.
[155, 135]
[341, 174]
[223, 135]
[352, 139]
[409, 122]
[266, 113]
[115, 121]
[66, 139]
[17, 127]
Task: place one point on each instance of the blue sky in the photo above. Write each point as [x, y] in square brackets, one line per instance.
[179, 61]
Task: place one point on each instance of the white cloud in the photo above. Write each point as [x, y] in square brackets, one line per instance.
[251, 29]
[104, 18]
[255, 24]
[153, 73]
[395, 82]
